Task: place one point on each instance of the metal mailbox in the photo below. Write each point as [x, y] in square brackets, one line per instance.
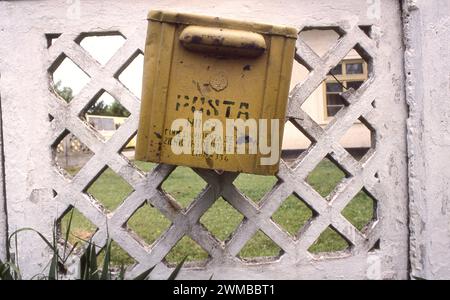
[201, 71]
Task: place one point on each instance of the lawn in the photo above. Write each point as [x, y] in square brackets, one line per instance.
[222, 219]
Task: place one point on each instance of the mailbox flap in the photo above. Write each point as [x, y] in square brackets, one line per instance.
[189, 19]
[219, 41]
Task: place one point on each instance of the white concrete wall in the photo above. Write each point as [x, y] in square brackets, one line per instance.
[30, 175]
[427, 60]
[3, 216]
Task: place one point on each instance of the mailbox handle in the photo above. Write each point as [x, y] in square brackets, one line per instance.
[222, 41]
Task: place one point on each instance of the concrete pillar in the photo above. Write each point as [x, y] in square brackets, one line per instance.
[427, 63]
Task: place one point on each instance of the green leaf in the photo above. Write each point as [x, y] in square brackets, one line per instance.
[66, 238]
[9, 271]
[418, 278]
[35, 231]
[71, 251]
[15, 271]
[53, 272]
[2, 267]
[5, 271]
[93, 264]
[106, 275]
[177, 270]
[84, 265]
[39, 276]
[144, 275]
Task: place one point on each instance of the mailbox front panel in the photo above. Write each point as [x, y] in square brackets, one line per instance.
[225, 70]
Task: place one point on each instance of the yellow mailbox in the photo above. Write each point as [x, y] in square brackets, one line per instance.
[213, 92]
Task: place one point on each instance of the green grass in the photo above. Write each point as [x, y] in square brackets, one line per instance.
[222, 219]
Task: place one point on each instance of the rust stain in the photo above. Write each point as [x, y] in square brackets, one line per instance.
[209, 162]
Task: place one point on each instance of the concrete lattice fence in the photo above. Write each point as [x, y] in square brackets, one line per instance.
[403, 102]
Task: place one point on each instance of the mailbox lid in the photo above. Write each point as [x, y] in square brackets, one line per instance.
[189, 19]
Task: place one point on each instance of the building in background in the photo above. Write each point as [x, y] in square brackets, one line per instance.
[325, 102]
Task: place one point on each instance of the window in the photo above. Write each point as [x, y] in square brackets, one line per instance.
[348, 74]
[334, 99]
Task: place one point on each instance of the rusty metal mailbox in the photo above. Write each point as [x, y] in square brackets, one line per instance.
[214, 92]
